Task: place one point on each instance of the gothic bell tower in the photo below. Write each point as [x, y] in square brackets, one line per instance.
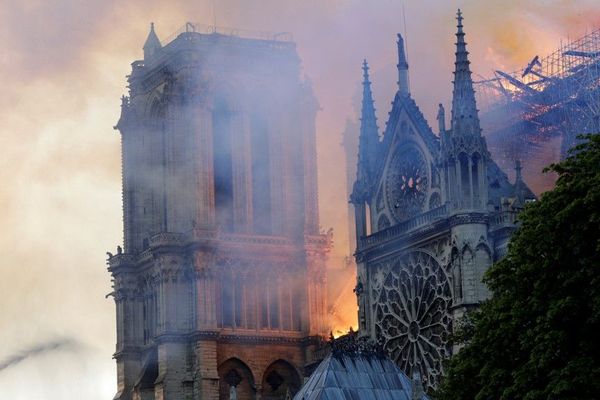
[464, 153]
[464, 160]
[220, 285]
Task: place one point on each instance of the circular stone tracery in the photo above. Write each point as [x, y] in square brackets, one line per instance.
[407, 183]
[412, 315]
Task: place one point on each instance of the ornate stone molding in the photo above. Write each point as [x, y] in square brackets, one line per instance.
[168, 239]
[411, 300]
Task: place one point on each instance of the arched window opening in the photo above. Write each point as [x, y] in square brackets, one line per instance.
[297, 301]
[261, 179]
[227, 301]
[286, 306]
[239, 303]
[236, 380]
[280, 380]
[475, 179]
[251, 303]
[222, 122]
[274, 303]
[264, 308]
[483, 261]
[464, 180]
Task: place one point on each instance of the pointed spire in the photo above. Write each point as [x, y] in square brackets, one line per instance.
[465, 120]
[152, 44]
[519, 184]
[518, 170]
[369, 136]
[403, 84]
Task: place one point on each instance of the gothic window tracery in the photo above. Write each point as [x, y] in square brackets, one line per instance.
[261, 177]
[247, 301]
[412, 302]
[379, 202]
[222, 123]
[407, 183]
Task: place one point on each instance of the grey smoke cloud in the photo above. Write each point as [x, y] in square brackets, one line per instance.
[38, 349]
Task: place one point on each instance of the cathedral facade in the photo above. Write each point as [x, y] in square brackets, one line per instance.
[220, 286]
[432, 213]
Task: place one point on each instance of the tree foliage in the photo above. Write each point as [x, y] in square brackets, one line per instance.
[538, 336]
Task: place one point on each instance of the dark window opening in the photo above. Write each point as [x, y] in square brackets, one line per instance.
[239, 303]
[227, 303]
[222, 165]
[264, 308]
[274, 306]
[261, 180]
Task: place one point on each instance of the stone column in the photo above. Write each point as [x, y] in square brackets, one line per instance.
[173, 370]
[206, 318]
[206, 382]
[129, 334]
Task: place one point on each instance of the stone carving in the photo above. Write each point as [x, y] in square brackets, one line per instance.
[412, 314]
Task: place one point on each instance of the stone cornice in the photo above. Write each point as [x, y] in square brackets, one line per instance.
[258, 339]
[278, 249]
[226, 337]
[393, 239]
[120, 261]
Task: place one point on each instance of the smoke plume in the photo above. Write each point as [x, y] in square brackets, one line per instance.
[36, 350]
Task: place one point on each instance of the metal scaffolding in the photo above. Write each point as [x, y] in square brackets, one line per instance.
[556, 97]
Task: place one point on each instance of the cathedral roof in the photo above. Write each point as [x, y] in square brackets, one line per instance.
[365, 377]
[499, 186]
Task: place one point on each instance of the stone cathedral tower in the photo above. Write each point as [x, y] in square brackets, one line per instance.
[220, 285]
[432, 213]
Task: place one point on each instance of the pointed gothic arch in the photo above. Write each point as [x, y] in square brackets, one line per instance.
[280, 379]
[464, 172]
[456, 272]
[482, 261]
[223, 141]
[236, 376]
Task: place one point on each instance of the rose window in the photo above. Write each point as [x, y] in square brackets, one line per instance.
[412, 315]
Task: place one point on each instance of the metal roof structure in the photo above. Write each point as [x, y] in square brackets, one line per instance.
[359, 377]
[551, 100]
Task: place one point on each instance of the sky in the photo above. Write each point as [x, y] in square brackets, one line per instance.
[62, 70]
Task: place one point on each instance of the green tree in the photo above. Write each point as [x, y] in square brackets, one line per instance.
[538, 336]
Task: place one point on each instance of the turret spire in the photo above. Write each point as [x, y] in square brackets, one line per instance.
[465, 120]
[152, 44]
[403, 84]
[369, 136]
[465, 161]
[518, 169]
